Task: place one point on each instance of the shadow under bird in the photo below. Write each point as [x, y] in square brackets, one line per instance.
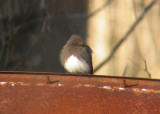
[76, 56]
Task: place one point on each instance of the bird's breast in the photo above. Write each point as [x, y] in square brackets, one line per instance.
[75, 65]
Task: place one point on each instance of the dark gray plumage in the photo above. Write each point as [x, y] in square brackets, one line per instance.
[76, 56]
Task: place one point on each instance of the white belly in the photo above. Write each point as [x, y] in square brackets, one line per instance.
[74, 65]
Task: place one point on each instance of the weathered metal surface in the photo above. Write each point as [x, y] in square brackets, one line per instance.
[33, 93]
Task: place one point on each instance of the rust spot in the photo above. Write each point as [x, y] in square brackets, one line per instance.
[77, 86]
[89, 85]
[4, 101]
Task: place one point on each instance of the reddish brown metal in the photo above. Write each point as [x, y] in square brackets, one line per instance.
[35, 93]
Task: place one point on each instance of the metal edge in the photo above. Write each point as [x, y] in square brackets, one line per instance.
[79, 75]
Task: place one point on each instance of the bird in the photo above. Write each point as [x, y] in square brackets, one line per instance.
[76, 56]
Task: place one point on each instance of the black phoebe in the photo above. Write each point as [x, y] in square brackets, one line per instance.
[76, 56]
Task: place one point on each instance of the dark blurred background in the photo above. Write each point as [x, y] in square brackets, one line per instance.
[32, 32]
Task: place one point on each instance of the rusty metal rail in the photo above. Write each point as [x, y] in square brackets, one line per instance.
[52, 93]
